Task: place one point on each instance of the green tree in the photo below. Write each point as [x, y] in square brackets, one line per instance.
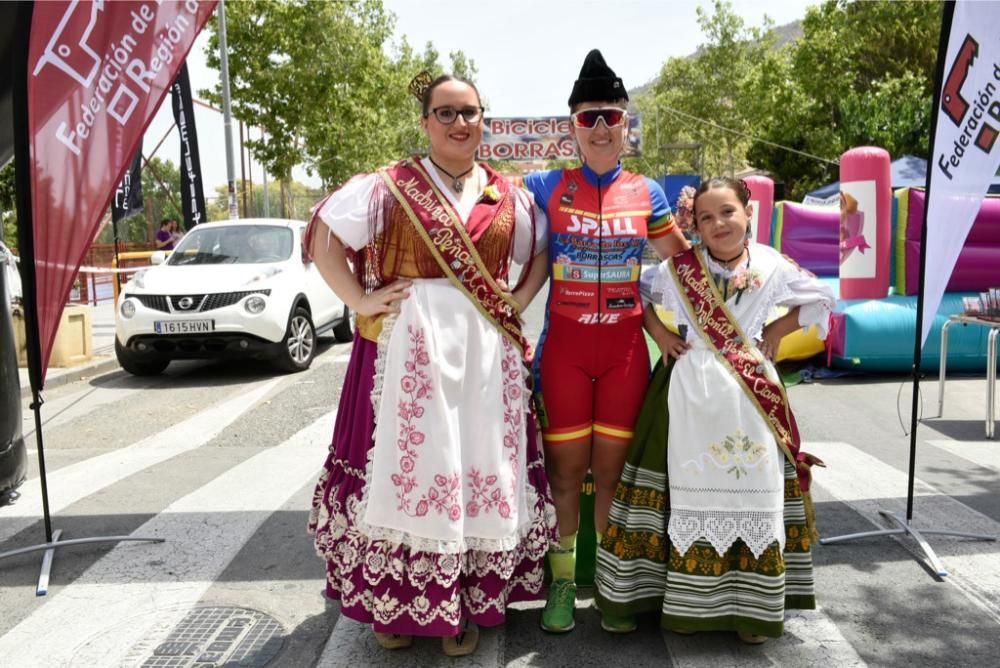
[300, 199]
[161, 198]
[709, 99]
[8, 205]
[324, 84]
[862, 74]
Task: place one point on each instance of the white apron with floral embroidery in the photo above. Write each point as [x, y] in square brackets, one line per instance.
[726, 471]
[447, 470]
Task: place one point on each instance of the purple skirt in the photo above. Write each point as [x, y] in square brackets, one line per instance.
[389, 585]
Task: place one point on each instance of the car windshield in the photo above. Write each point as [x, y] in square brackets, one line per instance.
[234, 244]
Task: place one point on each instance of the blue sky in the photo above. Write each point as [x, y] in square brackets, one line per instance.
[528, 54]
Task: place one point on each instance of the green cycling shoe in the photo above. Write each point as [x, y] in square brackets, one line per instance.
[558, 614]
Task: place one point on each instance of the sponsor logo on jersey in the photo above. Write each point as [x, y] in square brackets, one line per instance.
[618, 303]
[595, 318]
[590, 227]
[593, 274]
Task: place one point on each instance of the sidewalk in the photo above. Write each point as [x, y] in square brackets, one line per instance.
[103, 361]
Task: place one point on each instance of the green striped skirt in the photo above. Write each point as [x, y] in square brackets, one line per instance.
[639, 571]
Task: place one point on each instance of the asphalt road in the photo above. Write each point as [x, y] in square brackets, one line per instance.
[221, 460]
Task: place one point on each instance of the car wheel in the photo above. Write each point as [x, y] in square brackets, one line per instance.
[344, 331]
[138, 367]
[299, 345]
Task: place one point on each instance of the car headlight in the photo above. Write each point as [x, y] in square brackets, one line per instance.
[127, 308]
[254, 304]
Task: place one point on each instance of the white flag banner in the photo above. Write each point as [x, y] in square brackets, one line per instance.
[966, 154]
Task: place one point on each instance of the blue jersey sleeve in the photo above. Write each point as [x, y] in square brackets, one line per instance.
[658, 199]
[542, 185]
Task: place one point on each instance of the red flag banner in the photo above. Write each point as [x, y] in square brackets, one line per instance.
[97, 72]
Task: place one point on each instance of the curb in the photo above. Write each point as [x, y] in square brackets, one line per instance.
[96, 367]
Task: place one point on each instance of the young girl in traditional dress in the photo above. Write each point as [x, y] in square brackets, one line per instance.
[731, 487]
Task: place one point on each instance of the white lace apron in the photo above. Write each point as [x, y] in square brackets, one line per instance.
[725, 468]
[447, 470]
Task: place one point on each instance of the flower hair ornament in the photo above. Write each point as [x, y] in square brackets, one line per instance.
[419, 84]
[685, 208]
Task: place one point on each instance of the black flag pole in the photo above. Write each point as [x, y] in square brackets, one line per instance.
[905, 526]
[26, 247]
[192, 191]
[126, 202]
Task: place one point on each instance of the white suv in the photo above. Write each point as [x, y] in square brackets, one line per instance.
[230, 289]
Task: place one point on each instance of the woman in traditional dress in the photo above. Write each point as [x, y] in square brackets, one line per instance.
[433, 511]
[725, 479]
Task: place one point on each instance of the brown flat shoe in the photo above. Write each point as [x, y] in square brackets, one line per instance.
[393, 640]
[464, 643]
[751, 638]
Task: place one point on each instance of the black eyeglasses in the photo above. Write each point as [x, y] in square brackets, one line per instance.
[448, 115]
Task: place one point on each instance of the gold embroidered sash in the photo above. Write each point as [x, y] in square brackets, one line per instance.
[442, 230]
[720, 329]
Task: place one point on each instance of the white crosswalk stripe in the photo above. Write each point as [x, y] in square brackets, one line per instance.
[77, 481]
[982, 453]
[869, 485]
[810, 639]
[135, 595]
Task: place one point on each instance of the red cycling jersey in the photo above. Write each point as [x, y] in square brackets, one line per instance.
[592, 364]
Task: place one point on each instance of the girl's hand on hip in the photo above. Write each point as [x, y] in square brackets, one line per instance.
[769, 343]
[386, 299]
[673, 346]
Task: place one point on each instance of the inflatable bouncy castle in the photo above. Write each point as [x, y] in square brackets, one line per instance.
[868, 248]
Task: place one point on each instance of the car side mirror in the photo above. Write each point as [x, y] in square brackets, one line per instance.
[158, 257]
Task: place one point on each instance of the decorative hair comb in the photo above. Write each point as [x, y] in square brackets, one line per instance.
[420, 83]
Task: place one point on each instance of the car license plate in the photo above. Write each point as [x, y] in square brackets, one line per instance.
[183, 326]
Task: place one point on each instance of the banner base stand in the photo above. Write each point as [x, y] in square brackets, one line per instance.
[50, 548]
[905, 528]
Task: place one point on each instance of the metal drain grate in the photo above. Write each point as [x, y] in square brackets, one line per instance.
[217, 637]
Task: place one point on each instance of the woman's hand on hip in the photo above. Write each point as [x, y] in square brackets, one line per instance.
[386, 299]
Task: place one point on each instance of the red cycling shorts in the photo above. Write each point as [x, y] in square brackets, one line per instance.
[593, 379]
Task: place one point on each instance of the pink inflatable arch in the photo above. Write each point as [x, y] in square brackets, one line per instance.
[865, 223]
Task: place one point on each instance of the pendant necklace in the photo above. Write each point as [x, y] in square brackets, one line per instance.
[456, 185]
[723, 281]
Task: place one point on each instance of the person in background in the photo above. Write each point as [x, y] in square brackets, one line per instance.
[175, 233]
[164, 239]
